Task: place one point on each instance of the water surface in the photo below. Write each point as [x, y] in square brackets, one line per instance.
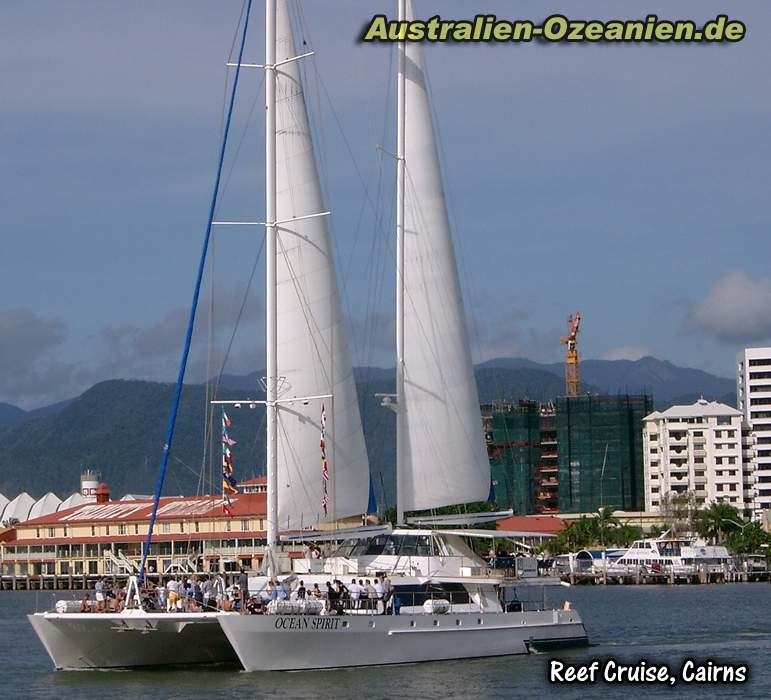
[661, 624]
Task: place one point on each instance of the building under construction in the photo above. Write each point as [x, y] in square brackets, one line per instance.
[575, 455]
[512, 432]
[600, 457]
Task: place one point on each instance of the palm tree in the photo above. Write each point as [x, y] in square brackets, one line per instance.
[718, 519]
[605, 520]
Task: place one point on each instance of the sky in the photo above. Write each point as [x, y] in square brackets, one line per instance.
[630, 182]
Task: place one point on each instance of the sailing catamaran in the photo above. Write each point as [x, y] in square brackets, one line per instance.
[444, 601]
[449, 605]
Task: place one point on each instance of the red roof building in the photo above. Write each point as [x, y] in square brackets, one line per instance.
[546, 524]
[191, 534]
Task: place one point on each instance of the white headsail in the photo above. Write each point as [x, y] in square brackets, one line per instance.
[313, 355]
[444, 457]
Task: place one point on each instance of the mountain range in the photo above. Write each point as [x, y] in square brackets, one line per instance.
[117, 427]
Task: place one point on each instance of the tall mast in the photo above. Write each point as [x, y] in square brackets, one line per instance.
[400, 179]
[271, 335]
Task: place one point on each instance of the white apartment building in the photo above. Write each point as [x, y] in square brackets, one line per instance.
[753, 398]
[699, 449]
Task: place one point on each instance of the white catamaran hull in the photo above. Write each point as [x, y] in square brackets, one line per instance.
[296, 642]
[119, 640]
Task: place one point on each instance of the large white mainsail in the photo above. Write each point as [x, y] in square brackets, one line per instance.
[444, 460]
[313, 355]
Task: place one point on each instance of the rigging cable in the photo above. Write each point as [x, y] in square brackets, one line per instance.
[196, 294]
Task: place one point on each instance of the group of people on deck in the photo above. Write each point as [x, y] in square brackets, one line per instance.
[108, 597]
[374, 595]
[202, 593]
[196, 593]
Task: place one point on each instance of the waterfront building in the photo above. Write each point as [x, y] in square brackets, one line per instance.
[600, 455]
[700, 449]
[753, 399]
[72, 548]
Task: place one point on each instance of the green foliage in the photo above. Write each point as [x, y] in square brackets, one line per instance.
[748, 540]
[590, 532]
[717, 521]
[117, 427]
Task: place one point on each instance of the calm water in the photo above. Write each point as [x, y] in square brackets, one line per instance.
[659, 624]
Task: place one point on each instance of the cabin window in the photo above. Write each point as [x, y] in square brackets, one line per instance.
[51, 532]
[121, 529]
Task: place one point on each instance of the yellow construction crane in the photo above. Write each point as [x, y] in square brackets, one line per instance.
[572, 377]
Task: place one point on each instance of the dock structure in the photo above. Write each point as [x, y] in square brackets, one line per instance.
[639, 577]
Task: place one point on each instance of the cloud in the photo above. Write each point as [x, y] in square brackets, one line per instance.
[628, 352]
[736, 309]
[510, 334]
[29, 366]
[33, 374]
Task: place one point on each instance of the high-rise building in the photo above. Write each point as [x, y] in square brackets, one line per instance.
[753, 399]
[698, 449]
[600, 457]
[513, 438]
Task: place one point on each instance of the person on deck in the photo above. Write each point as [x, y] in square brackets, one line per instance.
[354, 590]
[99, 594]
[388, 591]
[243, 586]
[172, 594]
[379, 592]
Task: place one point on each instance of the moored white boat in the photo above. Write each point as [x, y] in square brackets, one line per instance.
[680, 556]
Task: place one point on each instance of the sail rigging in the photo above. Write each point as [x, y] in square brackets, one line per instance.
[313, 358]
[444, 461]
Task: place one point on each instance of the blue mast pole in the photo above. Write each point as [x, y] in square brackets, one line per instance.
[196, 294]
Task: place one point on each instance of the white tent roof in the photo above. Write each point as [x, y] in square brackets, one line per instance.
[18, 508]
[74, 499]
[3, 503]
[45, 505]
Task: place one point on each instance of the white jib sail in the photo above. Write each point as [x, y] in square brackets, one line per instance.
[313, 355]
[445, 460]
